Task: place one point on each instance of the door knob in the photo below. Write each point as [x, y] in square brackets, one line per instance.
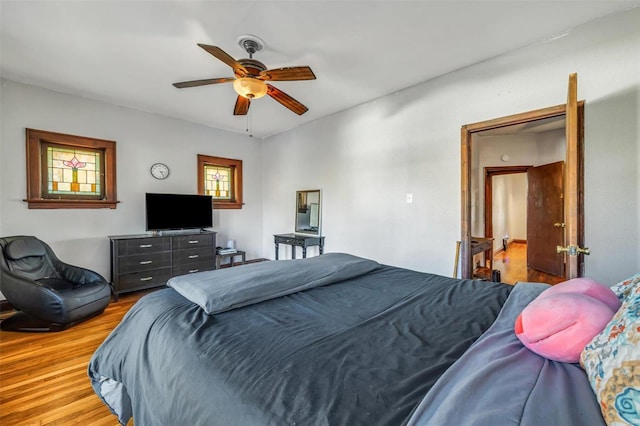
[559, 225]
[573, 250]
[584, 251]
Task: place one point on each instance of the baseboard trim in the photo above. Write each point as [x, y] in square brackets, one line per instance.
[501, 249]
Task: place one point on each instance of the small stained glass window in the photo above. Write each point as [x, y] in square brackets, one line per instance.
[218, 182]
[222, 179]
[72, 171]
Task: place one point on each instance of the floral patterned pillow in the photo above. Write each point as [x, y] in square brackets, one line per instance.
[624, 288]
[612, 359]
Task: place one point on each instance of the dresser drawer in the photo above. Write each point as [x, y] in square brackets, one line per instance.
[146, 279]
[193, 255]
[144, 245]
[192, 268]
[290, 241]
[144, 262]
[190, 241]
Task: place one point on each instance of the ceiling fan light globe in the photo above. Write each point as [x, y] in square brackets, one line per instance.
[250, 88]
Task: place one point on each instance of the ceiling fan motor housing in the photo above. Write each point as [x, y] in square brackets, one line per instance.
[252, 66]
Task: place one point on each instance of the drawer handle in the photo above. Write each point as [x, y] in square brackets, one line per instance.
[194, 256]
[191, 271]
[146, 262]
[146, 245]
[146, 279]
[194, 241]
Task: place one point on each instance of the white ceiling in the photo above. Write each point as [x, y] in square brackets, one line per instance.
[130, 52]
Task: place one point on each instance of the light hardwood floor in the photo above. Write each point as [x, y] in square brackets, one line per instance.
[512, 265]
[43, 376]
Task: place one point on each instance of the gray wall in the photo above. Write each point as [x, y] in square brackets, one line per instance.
[368, 158]
[80, 236]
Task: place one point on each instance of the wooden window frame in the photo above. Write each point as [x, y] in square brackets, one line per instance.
[37, 171]
[236, 185]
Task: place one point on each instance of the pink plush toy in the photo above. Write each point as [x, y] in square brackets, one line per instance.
[560, 322]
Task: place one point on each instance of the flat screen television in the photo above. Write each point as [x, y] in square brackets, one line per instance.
[178, 211]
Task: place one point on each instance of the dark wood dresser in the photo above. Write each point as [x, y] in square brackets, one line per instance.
[143, 261]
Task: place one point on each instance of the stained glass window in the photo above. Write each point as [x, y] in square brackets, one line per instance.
[218, 182]
[72, 171]
[222, 179]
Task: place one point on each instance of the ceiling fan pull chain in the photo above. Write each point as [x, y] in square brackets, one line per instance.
[249, 124]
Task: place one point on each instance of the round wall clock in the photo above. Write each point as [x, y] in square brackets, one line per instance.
[160, 171]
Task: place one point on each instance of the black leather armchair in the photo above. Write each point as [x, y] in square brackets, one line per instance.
[48, 294]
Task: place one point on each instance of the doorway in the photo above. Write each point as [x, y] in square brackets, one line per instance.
[519, 201]
[572, 113]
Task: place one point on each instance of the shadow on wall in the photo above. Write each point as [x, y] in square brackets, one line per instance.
[612, 173]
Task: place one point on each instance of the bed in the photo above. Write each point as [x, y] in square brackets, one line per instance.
[333, 340]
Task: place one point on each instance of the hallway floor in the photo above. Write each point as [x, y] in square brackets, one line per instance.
[512, 265]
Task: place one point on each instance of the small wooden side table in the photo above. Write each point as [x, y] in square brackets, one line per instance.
[230, 256]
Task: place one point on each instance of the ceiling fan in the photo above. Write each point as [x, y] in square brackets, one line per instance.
[251, 76]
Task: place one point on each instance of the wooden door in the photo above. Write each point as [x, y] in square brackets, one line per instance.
[545, 216]
[573, 234]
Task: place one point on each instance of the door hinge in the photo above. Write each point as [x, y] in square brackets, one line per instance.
[573, 250]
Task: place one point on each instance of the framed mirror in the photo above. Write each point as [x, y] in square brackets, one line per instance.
[308, 212]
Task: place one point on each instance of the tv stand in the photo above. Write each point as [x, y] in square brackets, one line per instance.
[145, 261]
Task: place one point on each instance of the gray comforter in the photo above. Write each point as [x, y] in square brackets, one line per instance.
[362, 351]
[500, 382]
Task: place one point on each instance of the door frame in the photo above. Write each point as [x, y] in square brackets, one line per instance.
[467, 132]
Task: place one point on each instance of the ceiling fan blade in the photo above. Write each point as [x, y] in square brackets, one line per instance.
[286, 100]
[288, 74]
[195, 83]
[242, 106]
[223, 56]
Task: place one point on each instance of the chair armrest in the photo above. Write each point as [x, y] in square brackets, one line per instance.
[24, 293]
[78, 275]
